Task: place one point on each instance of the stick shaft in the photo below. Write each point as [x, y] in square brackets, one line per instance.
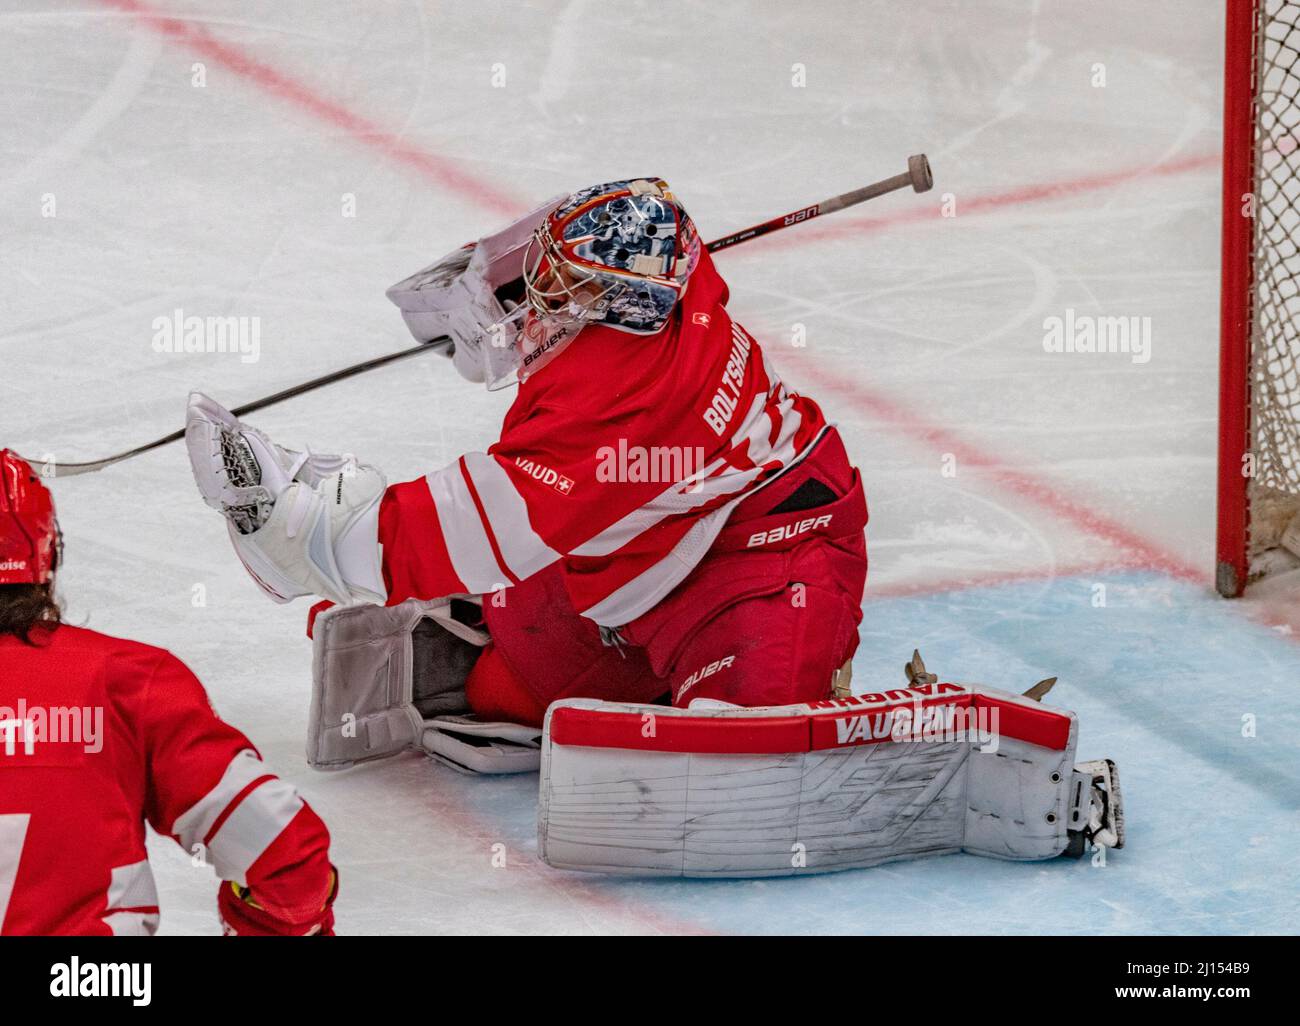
[89, 467]
[829, 206]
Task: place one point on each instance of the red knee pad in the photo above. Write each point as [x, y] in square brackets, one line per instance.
[495, 693]
[776, 649]
[550, 652]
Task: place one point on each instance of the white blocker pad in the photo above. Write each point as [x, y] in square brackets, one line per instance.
[457, 295]
[381, 675]
[841, 784]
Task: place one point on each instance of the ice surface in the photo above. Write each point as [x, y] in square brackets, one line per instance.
[923, 339]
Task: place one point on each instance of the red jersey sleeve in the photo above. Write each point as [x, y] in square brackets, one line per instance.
[209, 789]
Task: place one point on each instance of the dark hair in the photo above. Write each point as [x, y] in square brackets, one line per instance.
[28, 607]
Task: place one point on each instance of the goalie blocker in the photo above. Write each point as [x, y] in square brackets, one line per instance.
[387, 679]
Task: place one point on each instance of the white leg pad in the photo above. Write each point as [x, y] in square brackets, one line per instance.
[731, 792]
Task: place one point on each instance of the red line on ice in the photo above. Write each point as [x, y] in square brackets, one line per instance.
[1027, 486]
[928, 209]
[440, 170]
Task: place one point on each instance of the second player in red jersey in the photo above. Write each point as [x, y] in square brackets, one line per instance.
[99, 736]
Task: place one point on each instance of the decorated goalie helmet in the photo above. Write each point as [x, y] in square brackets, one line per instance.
[619, 254]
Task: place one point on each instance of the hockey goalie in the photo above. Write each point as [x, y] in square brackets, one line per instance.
[663, 530]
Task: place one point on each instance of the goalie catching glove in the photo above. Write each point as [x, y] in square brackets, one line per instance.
[301, 523]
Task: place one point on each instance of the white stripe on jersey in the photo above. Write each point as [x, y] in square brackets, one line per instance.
[673, 500]
[523, 549]
[251, 826]
[132, 924]
[132, 886]
[646, 590]
[751, 436]
[466, 538]
[249, 830]
[467, 542]
[193, 825]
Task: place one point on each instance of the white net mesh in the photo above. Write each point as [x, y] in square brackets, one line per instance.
[1275, 343]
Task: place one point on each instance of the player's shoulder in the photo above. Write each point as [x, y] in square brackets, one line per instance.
[124, 657]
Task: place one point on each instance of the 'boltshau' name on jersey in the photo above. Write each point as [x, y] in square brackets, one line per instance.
[723, 406]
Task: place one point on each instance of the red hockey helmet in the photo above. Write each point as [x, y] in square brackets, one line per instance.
[29, 533]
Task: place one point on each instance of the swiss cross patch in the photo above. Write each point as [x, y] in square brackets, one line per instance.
[564, 485]
[700, 318]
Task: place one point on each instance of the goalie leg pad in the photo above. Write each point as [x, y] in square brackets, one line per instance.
[718, 791]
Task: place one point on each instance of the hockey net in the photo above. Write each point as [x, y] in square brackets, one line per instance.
[1259, 486]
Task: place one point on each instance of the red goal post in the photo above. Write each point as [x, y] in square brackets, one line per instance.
[1259, 399]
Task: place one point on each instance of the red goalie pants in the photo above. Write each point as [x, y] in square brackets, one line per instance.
[766, 617]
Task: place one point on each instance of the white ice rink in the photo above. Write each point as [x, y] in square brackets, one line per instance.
[200, 156]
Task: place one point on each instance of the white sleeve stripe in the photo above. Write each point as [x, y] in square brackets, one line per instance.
[754, 429]
[467, 542]
[132, 924]
[791, 421]
[251, 828]
[132, 886]
[522, 548]
[194, 824]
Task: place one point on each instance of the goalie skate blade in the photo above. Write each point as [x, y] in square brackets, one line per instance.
[1109, 833]
[1116, 805]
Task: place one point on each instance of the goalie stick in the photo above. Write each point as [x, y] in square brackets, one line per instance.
[917, 176]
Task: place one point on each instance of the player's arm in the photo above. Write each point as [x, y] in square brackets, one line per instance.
[464, 529]
[491, 520]
[209, 789]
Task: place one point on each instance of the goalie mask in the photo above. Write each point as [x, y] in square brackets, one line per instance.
[618, 254]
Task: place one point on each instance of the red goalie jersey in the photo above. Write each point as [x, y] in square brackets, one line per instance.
[623, 459]
[100, 735]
